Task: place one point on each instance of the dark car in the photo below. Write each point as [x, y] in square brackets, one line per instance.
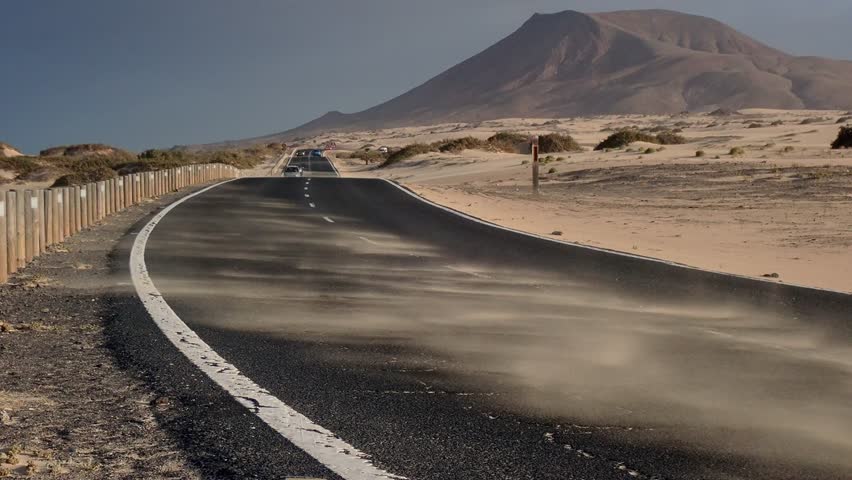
[316, 153]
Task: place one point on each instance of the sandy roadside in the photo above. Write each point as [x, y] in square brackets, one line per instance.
[784, 207]
[68, 407]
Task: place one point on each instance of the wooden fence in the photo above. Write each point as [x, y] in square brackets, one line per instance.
[33, 220]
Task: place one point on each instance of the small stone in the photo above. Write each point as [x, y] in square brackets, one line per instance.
[5, 418]
[771, 275]
[557, 233]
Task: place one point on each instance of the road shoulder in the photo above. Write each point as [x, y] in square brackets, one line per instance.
[67, 406]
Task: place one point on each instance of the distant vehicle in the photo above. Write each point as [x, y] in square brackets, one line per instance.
[293, 171]
[383, 149]
[302, 153]
[316, 153]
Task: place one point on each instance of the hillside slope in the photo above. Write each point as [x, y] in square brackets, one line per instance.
[644, 61]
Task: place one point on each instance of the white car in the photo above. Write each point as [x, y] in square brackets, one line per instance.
[383, 149]
[293, 171]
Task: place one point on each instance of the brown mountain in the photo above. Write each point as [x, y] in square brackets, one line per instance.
[572, 63]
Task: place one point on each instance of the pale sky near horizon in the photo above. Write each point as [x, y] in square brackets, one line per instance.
[162, 72]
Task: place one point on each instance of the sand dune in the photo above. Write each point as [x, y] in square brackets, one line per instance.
[8, 151]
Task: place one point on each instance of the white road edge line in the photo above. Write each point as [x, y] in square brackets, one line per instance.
[328, 220]
[597, 249]
[321, 444]
[289, 160]
[333, 167]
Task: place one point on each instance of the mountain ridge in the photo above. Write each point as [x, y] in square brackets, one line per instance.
[623, 62]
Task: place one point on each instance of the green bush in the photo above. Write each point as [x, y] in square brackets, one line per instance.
[554, 143]
[844, 139]
[700, 153]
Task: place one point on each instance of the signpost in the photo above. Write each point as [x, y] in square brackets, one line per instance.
[534, 144]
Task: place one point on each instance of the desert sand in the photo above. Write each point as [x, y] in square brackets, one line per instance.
[783, 208]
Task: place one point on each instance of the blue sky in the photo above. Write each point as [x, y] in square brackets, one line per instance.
[157, 73]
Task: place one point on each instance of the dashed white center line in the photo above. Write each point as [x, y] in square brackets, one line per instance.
[307, 195]
[475, 274]
[312, 205]
[328, 220]
[318, 442]
[368, 240]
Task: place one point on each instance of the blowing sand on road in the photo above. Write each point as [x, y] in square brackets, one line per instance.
[610, 246]
[375, 298]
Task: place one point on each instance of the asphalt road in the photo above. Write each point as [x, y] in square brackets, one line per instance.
[450, 349]
[314, 166]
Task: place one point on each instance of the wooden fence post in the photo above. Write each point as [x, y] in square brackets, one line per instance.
[4, 244]
[48, 217]
[57, 218]
[36, 225]
[42, 221]
[66, 213]
[78, 208]
[11, 232]
[20, 221]
[29, 227]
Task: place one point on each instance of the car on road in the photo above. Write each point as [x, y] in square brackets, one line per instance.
[292, 171]
[316, 153]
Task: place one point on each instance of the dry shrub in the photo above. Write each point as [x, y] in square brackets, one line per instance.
[555, 143]
[624, 138]
[844, 139]
[461, 144]
[407, 152]
[509, 142]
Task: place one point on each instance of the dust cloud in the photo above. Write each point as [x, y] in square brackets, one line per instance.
[723, 376]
